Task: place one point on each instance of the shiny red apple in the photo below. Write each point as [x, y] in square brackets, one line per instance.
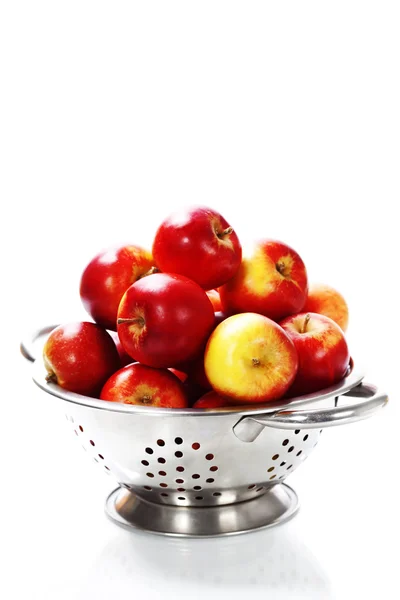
[200, 244]
[106, 279]
[212, 400]
[322, 350]
[164, 320]
[271, 281]
[80, 357]
[145, 386]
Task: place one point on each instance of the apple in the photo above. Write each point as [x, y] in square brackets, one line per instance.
[195, 367]
[325, 300]
[250, 358]
[123, 356]
[322, 350]
[200, 244]
[212, 400]
[271, 281]
[181, 375]
[215, 300]
[145, 386]
[107, 277]
[164, 320]
[80, 357]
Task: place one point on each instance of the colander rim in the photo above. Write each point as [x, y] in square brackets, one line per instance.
[353, 378]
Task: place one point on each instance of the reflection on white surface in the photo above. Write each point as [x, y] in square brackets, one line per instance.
[273, 562]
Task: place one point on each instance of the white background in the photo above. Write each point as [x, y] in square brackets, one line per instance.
[285, 117]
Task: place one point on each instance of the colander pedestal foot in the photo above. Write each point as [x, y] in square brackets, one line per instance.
[276, 505]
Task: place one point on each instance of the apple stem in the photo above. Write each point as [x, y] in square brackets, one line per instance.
[306, 322]
[51, 377]
[138, 321]
[150, 272]
[224, 233]
[255, 362]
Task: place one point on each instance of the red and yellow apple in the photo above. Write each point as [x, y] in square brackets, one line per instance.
[250, 359]
[144, 386]
[325, 300]
[164, 320]
[322, 350]
[107, 277]
[271, 281]
[200, 244]
[80, 357]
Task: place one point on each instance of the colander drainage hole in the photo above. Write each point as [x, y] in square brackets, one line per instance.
[106, 468]
[162, 473]
[181, 498]
[289, 467]
[150, 474]
[291, 449]
[259, 489]
[210, 480]
[217, 494]
[179, 441]
[305, 438]
[164, 485]
[197, 487]
[285, 442]
[149, 450]
[271, 469]
[147, 487]
[178, 454]
[81, 428]
[92, 443]
[196, 476]
[164, 495]
[299, 452]
[209, 456]
[101, 456]
[160, 442]
[251, 487]
[196, 446]
[145, 463]
[180, 480]
[297, 431]
[275, 457]
[273, 476]
[180, 469]
[282, 464]
[199, 498]
[213, 469]
[161, 460]
[181, 489]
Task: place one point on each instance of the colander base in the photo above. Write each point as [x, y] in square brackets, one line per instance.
[276, 505]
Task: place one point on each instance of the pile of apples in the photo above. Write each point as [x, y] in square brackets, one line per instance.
[195, 324]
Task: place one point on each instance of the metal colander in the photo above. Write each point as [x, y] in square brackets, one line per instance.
[204, 473]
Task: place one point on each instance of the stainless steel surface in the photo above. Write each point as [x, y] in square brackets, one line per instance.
[249, 428]
[191, 458]
[274, 506]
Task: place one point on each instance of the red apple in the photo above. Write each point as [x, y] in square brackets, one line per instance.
[215, 300]
[123, 356]
[80, 357]
[145, 386]
[212, 400]
[322, 350]
[250, 358]
[106, 279]
[179, 374]
[325, 300]
[200, 244]
[164, 320]
[271, 281]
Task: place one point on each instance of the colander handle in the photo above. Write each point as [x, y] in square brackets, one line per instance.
[249, 428]
[27, 345]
